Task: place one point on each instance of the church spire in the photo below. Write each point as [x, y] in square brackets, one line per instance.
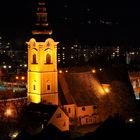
[41, 27]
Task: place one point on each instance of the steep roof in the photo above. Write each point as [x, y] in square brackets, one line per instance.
[80, 88]
[86, 88]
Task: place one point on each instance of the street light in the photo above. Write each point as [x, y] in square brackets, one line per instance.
[60, 71]
[66, 71]
[8, 112]
[93, 71]
[17, 77]
[22, 78]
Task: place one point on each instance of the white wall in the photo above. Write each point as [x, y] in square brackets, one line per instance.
[71, 110]
[60, 120]
[84, 110]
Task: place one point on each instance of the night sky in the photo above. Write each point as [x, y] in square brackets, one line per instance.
[86, 21]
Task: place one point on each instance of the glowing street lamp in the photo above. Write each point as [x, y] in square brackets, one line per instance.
[22, 78]
[60, 71]
[25, 65]
[8, 112]
[131, 120]
[100, 69]
[17, 77]
[93, 71]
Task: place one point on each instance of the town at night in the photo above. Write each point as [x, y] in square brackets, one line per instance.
[69, 70]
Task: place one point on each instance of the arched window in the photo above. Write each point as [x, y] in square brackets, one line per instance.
[48, 59]
[34, 58]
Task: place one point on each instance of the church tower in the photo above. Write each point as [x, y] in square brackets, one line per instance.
[42, 61]
[42, 72]
[41, 28]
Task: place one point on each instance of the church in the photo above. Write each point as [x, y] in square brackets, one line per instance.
[78, 97]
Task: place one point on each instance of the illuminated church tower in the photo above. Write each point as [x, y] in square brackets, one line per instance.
[42, 61]
[42, 72]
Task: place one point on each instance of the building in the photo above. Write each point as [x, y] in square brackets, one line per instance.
[43, 79]
[79, 94]
[135, 81]
[42, 71]
[43, 84]
[79, 54]
[50, 114]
